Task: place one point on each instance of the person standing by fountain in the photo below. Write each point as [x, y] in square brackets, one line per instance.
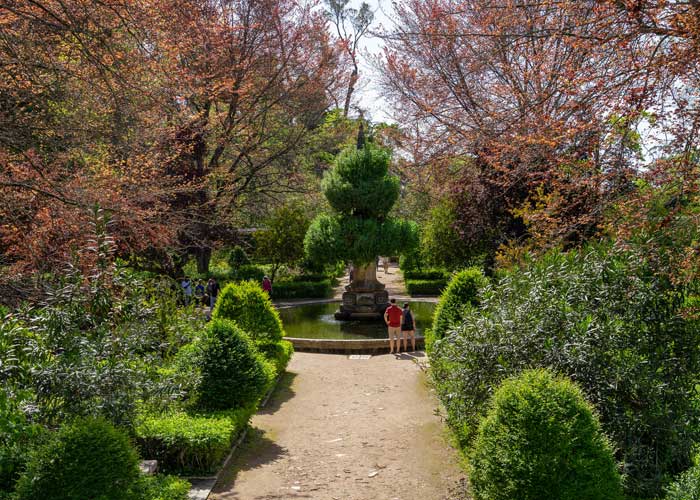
[408, 327]
[392, 317]
[267, 285]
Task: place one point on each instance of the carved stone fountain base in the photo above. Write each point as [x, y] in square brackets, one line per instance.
[363, 305]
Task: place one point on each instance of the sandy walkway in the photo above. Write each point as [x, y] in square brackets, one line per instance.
[339, 428]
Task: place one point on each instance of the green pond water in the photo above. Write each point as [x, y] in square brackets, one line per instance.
[316, 321]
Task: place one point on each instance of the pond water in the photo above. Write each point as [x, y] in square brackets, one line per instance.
[316, 321]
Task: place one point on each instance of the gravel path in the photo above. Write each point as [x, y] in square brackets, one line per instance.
[350, 429]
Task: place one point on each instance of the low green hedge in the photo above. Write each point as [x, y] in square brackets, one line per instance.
[308, 277]
[162, 487]
[302, 289]
[279, 353]
[190, 443]
[426, 274]
[425, 287]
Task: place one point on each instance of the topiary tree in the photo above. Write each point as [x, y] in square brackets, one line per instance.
[541, 439]
[461, 292]
[251, 308]
[89, 458]
[233, 373]
[237, 258]
[361, 193]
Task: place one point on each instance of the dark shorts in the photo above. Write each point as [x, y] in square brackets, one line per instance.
[407, 328]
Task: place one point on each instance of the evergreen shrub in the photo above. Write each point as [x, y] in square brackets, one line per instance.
[87, 459]
[249, 273]
[541, 439]
[426, 274]
[233, 373]
[602, 318]
[251, 308]
[237, 258]
[425, 287]
[191, 443]
[279, 353]
[462, 291]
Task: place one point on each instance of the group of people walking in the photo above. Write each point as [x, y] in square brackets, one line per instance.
[205, 295]
[401, 324]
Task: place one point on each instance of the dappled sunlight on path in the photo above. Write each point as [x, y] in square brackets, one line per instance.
[350, 429]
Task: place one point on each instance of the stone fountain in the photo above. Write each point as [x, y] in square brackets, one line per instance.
[365, 298]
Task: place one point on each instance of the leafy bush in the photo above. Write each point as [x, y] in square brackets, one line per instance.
[541, 439]
[302, 289]
[233, 373]
[249, 306]
[686, 486]
[426, 274]
[187, 443]
[237, 258]
[603, 319]
[16, 436]
[462, 291]
[279, 353]
[425, 287]
[411, 261]
[249, 273]
[161, 487]
[89, 458]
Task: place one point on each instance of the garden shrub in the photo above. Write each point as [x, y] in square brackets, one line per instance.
[601, 318]
[426, 274]
[686, 486]
[462, 291]
[250, 307]
[16, 436]
[191, 443]
[87, 459]
[541, 439]
[410, 261]
[249, 273]
[161, 487]
[237, 258]
[279, 353]
[312, 277]
[233, 373]
[425, 287]
[302, 289]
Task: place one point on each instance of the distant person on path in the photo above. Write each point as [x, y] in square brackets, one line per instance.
[386, 265]
[186, 285]
[267, 285]
[408, 327]
[392, 317]
[212, 291]
[199, 292]
[351, 273]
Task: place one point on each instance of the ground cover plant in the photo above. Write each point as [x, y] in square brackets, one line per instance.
[541, 439]
[602, 318]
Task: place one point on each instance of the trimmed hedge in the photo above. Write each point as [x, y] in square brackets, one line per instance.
[89, 458]
[162, 487]
[248, 273]
[425, 287]
[426, 274]
[279, 353]
[186, 443]
[233, 373]
[314, 277]
[250, 307]
[541, 439]
[302, 289]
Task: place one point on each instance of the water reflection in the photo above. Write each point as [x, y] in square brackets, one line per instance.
[316, 321]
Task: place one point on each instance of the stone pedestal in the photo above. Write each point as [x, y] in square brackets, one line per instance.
[365, 298]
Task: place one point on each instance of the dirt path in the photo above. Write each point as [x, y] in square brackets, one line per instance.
[350, 429]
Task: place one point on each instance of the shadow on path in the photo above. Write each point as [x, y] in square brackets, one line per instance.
[282, 393]
[255, 451]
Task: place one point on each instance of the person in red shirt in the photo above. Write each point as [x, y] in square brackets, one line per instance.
[393, 317]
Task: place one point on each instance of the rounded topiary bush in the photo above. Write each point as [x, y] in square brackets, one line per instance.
[462, 291]
[233, 373]
[88, 459]
[251, 308]
[541, 440]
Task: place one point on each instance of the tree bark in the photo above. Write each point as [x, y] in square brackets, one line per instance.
[203, 257]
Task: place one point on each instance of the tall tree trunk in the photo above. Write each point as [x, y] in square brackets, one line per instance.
[351, 89]
[203, 257]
